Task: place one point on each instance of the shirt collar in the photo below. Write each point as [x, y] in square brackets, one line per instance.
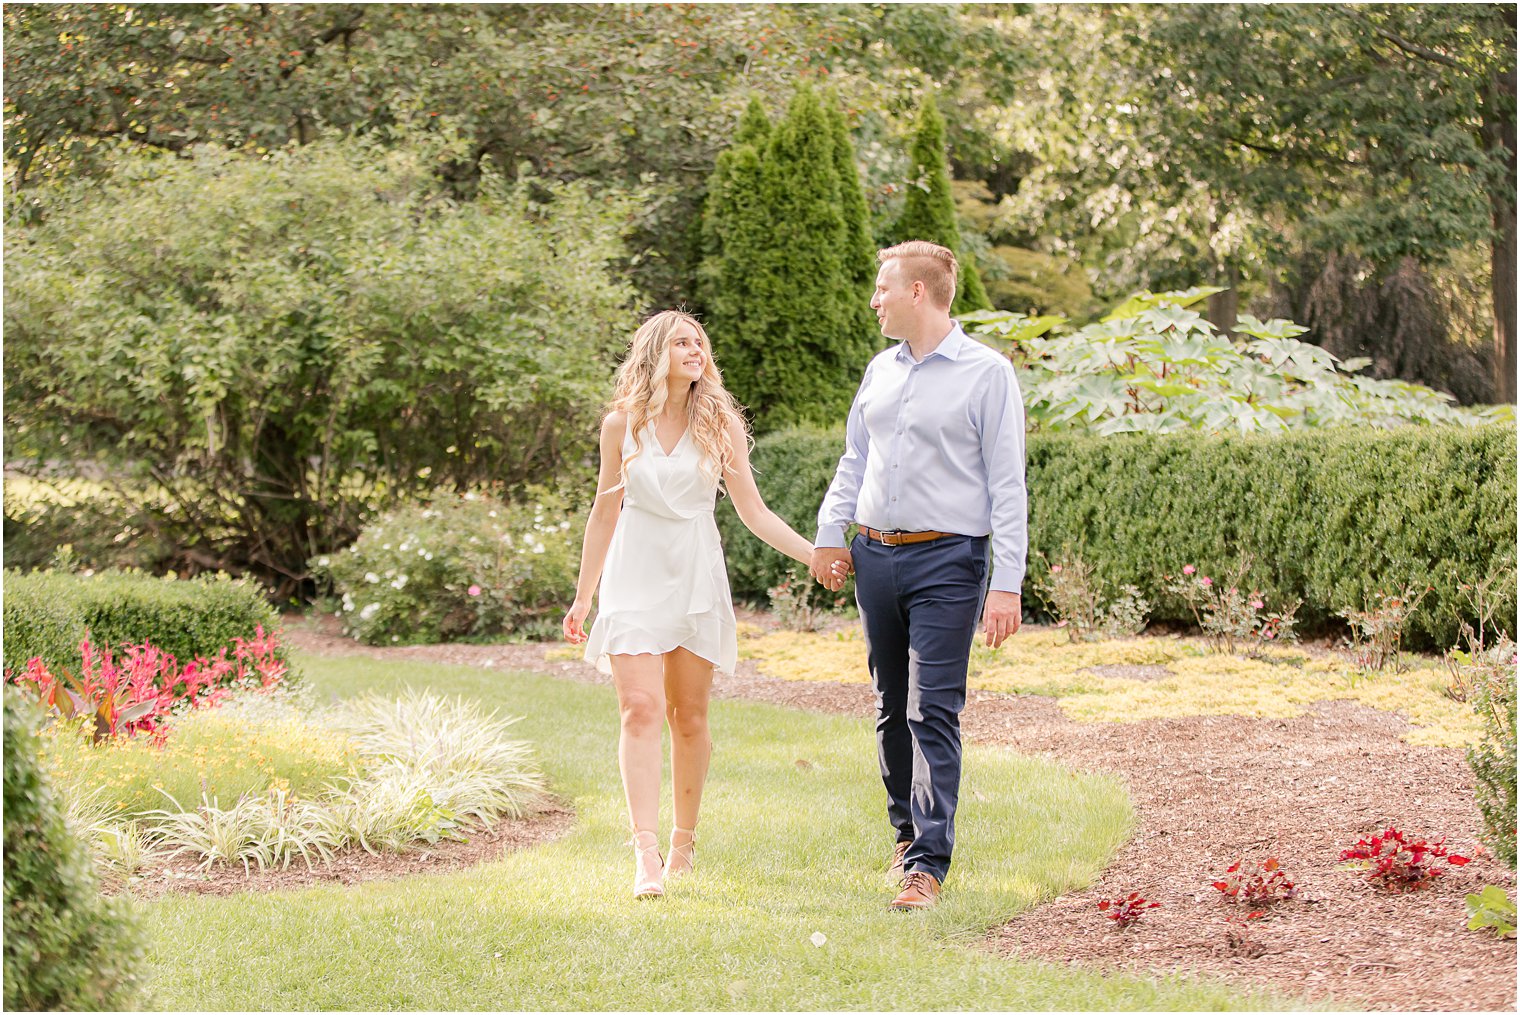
[950, 347]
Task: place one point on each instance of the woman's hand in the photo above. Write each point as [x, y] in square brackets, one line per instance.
[574, 625]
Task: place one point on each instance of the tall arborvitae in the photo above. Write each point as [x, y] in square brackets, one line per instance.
[929, 213]
[857, 218]
[729, 191]
[784, 269]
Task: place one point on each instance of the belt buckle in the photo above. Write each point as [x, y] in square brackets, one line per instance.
[891, 537]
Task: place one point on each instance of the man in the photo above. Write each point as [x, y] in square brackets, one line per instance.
[933, 471]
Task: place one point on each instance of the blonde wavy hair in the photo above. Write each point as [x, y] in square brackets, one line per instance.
[641, 392]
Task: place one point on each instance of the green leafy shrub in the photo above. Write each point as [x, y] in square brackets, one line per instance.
[1154, 366]
[1326, 516]
[273, 349]
[461, 566]
[66, 946]
[793, 468]
[47, 614]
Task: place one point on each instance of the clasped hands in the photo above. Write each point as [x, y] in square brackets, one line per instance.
[1001, 614]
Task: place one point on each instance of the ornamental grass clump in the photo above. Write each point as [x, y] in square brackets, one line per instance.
[461, 753]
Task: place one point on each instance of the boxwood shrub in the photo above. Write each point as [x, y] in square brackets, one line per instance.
[67, 948]
[1326, 516]
[47, 613]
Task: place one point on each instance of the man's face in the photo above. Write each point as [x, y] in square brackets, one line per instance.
[893, 301]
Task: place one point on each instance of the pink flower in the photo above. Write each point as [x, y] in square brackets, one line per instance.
[1055, 569]
[1257, 604]
[474, 590]
[1205, 581]
[1189, 569]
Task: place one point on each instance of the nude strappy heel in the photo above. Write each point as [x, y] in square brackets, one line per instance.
[648, 866]
[683, 856]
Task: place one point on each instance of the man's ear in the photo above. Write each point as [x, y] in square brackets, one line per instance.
[919, 291]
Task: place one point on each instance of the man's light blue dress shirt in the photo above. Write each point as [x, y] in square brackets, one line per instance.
[936, 444]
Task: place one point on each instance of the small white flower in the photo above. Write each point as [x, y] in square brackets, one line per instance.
[348, 601]
[387, 546]
[470, 495]
[818, 939]
[474, 539]
[371, 577]
[323, 561]
[421, 552]
[399, 583]
[538, 547]
[427, 556]
[490, 514]
[395, 637]
[369, 611]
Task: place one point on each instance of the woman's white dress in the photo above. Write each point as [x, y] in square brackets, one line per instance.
[665, 584]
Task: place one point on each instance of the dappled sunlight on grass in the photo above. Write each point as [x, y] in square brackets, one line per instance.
[1282, 683]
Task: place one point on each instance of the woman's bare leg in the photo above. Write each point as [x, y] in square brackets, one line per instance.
[688, 687]
[640, 684]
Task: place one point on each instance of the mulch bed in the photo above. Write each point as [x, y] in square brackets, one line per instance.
[1206, 790]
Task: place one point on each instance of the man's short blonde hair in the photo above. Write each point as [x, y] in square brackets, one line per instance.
[933, 265]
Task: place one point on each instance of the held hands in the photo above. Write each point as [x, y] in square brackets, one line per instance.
[574, 624]
[830, 566]
[1002, 616]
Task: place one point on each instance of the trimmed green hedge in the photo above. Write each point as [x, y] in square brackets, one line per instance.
[48, 612]
[1326, 516]
[67, 948]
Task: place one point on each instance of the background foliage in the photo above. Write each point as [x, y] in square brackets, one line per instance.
[67, 947]
[47, 614]
[274, 348]
[458, 567]
[1329, 517]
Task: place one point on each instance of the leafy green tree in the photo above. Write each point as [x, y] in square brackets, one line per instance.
[787, 255]
[266, 352]
[1224, 141]
[929, 211]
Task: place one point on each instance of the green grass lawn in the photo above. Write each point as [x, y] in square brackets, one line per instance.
[786, 850]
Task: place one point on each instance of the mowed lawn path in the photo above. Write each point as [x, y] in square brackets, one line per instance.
[793, 842]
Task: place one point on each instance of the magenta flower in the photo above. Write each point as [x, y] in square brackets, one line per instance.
[1205, 581]
[1055, 569]
[474, 590]
[1189, 569]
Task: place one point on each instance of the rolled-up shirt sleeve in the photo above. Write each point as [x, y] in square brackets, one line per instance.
[1002, 420]
[838, 509]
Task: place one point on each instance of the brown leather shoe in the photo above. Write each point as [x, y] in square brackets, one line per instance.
[920, 891]
[895, 868]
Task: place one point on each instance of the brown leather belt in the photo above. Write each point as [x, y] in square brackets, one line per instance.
[899, 538]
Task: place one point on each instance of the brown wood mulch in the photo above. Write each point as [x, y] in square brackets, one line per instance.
[1207, 790]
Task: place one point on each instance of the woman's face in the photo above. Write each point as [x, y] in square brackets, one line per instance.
[688, 355]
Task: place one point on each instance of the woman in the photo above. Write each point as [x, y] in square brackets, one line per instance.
[672, 433]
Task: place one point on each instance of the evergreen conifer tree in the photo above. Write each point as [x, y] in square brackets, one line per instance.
[786, 251]
[860, 247]
[929, 213]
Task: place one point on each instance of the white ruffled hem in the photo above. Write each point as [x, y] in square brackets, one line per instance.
[708, 635]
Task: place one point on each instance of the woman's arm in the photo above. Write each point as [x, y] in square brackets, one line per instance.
[758, 518]
[599, 526]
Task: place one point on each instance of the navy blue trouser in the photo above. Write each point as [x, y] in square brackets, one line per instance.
[919, 606]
